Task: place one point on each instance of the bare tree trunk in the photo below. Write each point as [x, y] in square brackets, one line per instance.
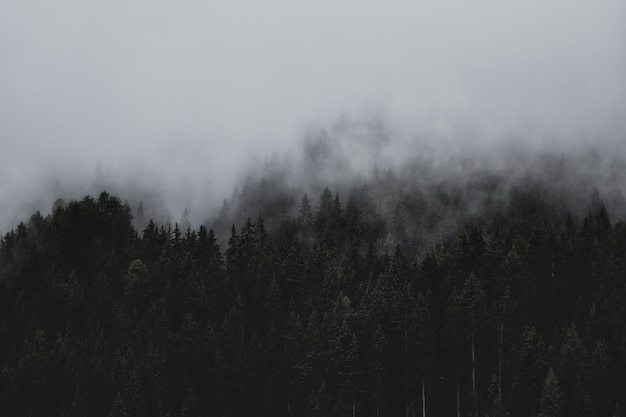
[185, 369]
[473, 366]
[458, 394]
[500, 358]
[353, 404]
[423, 397]
[406, 405]
[474, 376]
[500, 362]
[406, 367]
[378, 384]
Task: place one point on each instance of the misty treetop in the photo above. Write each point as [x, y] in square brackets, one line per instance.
[424, 201]
[430, 301]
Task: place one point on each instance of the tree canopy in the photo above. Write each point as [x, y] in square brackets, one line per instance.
[335, 310]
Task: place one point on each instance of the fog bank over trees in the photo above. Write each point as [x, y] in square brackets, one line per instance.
[443, 185]
[168, 102]
[370, 157]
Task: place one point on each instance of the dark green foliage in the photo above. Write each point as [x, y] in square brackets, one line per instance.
[551, 402]
[337, 311]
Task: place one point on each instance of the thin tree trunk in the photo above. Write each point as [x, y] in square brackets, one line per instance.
[474, 376]
[288, 399]
[458, 395]
[353, 405]
[378, 384]
[500, 362]
[406, 405]
[423, 397]
[406, 364]
[473, 366]
[185, 369]
[500, 358]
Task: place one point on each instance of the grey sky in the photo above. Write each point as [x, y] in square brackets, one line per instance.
[179, 94]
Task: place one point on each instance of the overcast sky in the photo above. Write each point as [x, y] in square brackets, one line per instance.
[179, 94]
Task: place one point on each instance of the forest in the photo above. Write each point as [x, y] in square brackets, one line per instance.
[482, 298]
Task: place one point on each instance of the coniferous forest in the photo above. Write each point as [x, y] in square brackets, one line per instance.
[334, 304]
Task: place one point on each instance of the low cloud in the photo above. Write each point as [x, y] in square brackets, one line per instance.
[172, 101]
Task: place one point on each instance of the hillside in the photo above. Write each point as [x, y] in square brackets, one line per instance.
[333, 308]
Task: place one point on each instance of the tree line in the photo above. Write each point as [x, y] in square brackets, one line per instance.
[520, 313]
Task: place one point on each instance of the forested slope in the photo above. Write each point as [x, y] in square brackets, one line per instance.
[336, 309]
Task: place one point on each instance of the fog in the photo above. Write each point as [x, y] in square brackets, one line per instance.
[174, 102]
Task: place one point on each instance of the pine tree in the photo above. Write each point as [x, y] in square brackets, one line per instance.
[551, 402]
[118, 407]
[190, 405]
[305, 215]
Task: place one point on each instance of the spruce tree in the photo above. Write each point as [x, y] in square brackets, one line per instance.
[551, 402]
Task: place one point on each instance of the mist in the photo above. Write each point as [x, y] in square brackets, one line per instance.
[176, 104]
